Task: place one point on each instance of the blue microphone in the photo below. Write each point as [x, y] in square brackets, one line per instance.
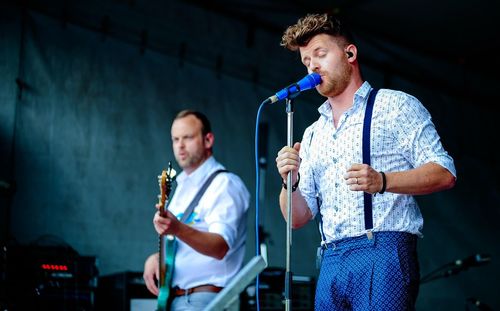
[306, 83]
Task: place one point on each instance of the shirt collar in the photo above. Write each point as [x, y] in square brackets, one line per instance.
[359, 98]
[200, 173]
[362, 93]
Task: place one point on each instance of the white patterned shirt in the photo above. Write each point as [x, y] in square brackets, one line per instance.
[402, 137]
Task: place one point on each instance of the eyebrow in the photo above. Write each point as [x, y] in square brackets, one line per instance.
[313, 52]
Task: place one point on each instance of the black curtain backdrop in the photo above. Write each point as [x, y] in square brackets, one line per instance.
[84, 131]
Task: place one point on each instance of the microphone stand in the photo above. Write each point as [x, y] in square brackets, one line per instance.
[288, 273]
[456, 267]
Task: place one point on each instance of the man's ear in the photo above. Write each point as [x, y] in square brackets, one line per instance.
[351, 52]
[209, 140]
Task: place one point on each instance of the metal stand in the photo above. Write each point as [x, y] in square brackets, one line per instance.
[232, 290]
[288, 273]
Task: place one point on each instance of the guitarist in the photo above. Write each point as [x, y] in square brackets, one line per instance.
[211, 242]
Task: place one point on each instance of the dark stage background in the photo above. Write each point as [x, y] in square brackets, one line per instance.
[88, 90]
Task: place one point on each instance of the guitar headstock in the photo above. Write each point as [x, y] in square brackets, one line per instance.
[165, 182]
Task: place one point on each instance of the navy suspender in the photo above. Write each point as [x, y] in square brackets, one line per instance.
[367, 197]
[366, 158]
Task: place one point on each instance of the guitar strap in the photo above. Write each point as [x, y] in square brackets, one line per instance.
[196, 199]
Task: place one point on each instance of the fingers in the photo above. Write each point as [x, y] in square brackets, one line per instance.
[357, 167]
[296, 146]
[351, 177]
[151, 273]
[157, 275]
[165, 225]
[353, 181]
[157, 219]
[288, 160]
[150, 283]
[362, 177]
[288, 152]
[160, 223]
[356, 171]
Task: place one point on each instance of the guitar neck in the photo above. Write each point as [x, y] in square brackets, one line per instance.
[166, 251]
[161, 250]
[161, 258]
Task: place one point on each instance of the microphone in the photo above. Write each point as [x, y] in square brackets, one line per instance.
[460, 265]
[473, 261]
[479, 304]
[306, 83]
[456, 267]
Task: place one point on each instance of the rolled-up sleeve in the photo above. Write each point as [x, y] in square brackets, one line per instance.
[227, 200]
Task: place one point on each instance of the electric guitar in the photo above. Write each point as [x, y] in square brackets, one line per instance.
[167, 245]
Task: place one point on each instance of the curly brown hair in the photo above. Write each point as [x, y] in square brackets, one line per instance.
[298, 35]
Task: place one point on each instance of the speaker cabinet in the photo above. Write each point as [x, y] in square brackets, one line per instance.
[272, 292]
[124, 291]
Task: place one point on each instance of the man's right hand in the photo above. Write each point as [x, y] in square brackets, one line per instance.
[152, 273]
[288, 160]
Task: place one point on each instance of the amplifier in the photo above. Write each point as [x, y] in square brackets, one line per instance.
[48, 278]
[272, 292]
[124, 291]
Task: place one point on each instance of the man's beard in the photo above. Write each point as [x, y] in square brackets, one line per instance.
[190, 161]
[336, 83]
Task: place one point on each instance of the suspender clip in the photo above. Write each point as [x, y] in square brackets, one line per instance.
[319, 256]
[369, 234]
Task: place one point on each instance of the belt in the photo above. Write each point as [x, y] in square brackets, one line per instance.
[201, 288]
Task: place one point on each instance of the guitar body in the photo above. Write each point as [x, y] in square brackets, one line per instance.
[167, 245]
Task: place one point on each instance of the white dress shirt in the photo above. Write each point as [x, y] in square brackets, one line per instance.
[222, 210]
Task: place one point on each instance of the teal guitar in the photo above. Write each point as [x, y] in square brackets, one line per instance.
[167, 245]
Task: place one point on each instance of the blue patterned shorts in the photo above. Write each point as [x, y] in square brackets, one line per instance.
[363, 274]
